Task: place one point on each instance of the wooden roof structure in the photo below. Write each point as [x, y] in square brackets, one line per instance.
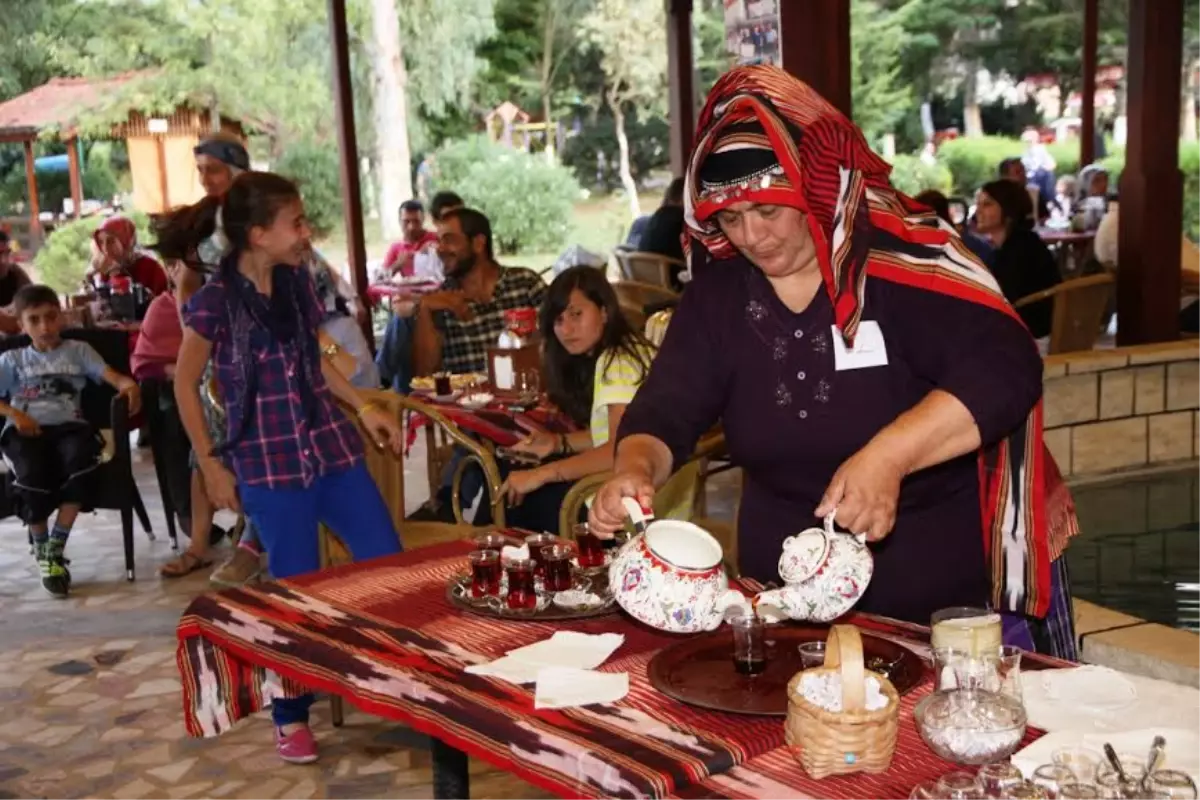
[59, 107]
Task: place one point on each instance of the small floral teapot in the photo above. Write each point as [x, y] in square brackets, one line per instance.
[824, 572]
[670, 575]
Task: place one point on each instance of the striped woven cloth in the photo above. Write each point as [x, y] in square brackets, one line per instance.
[382, 635]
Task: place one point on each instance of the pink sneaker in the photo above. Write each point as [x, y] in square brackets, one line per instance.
[297, 747]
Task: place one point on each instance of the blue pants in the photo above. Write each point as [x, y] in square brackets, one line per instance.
[349, 503]
[395, 356]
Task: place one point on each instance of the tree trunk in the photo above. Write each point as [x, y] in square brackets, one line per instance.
[548, 29]
[635, 208]
[1187, 105]
[972, 120]
[391, 117]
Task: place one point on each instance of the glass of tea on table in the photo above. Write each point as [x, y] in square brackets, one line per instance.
[591, 548]
[441, 384]
[485, 573]
[522, 596]
[556, 566]
[538, 542]
[749, 644]
[489, 541]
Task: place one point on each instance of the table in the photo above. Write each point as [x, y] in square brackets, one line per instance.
[498, 422]
[1072, 248]
[382, 635]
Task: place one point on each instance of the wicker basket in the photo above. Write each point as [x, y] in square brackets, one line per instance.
[852, 740]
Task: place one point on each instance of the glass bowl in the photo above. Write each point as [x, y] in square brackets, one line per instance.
[971, 726]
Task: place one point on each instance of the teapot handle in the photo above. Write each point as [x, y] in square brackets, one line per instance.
[861, 538]
[640, 517]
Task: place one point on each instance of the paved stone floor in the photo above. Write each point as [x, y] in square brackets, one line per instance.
[92, 700]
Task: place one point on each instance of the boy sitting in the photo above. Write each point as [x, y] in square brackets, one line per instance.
[50, 449]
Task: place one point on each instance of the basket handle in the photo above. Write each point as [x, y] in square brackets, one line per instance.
[844, 651]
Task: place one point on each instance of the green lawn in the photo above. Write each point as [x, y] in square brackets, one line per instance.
[597, 224]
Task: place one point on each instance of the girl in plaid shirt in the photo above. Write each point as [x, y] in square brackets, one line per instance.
[292, 460]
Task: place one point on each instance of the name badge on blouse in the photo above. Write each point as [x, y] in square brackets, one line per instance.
[869, 349]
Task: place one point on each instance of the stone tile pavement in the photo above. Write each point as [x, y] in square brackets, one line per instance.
[91, 695]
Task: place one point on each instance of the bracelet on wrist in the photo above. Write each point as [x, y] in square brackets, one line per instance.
[370, 405]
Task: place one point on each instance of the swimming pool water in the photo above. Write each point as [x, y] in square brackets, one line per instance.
[1138, 551]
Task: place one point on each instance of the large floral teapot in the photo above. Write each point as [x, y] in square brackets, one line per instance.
[824, 572]
[670, 575]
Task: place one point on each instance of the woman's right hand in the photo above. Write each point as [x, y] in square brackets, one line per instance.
[608, 512]
[219, 484]
[537, 443]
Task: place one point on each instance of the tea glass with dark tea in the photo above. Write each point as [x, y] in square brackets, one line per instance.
[485, 573]
[522, 595]
[537, 543]
[591, 547]
[489, 541]
[441, 384]
[749, 644]
[556, 564]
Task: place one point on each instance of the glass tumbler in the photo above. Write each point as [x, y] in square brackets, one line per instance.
[1170, 783]
[995, 778]
[959, 785]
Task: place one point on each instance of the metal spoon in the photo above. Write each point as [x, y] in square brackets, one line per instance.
[1116, 763]
[1156, 755]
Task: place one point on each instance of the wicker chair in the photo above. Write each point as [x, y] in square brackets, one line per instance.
[634, 298]
[649, 268]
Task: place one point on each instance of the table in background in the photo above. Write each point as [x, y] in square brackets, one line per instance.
[382, 635]
[1071, 248]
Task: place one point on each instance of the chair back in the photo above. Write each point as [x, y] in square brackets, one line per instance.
[1080, 307]
[656, 326]
[634, 297]
[649, 268]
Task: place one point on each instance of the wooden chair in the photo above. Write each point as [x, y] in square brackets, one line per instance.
[634, 298]
[649, 268]
[1079, 309]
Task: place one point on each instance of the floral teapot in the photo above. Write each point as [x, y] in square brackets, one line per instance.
[824, 572]
[670, 576]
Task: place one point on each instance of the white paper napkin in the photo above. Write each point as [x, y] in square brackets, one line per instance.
[564, 687]
[1094, 699]
[1182, 751]
[577, 652]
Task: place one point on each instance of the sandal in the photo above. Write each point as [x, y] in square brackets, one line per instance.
[187, 563]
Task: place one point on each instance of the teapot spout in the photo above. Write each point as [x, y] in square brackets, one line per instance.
[731, 603]
[771, 605]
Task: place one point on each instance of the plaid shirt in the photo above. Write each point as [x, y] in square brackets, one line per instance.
[465, 344]
[280, 447]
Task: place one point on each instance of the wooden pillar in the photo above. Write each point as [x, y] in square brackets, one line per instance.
[814, 45]
[164, 184]
[35, 209]
[343, 97]
[76, 178]
[1151, 189]
[1087, 114]
[681, 78]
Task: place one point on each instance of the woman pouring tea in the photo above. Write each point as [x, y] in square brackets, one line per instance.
[863, 363]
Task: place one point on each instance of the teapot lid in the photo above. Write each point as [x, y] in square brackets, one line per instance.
[803, 555]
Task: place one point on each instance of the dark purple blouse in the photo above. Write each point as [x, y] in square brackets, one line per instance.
[733, 352]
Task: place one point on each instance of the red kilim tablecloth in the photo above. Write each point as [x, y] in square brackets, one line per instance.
[495, 422]
[382, 635]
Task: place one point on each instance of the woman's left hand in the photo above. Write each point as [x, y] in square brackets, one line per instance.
[384, 429]
[521, 483]
[865, 491]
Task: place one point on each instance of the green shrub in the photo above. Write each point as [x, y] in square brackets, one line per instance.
[649, 149]
[973, 161]
[527, 198]
[63, 259]
[1066, 157]
[912, 176]
[314, 167]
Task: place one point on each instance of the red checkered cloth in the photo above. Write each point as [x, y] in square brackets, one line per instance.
[382, 635]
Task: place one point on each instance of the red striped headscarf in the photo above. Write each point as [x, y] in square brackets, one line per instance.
[808, 156]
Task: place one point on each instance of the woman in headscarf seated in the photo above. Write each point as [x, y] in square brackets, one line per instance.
[115, 251]
[1022, 263]
[864, 364]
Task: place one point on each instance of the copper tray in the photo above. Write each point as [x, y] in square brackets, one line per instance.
[458, 594]
[699, 670]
